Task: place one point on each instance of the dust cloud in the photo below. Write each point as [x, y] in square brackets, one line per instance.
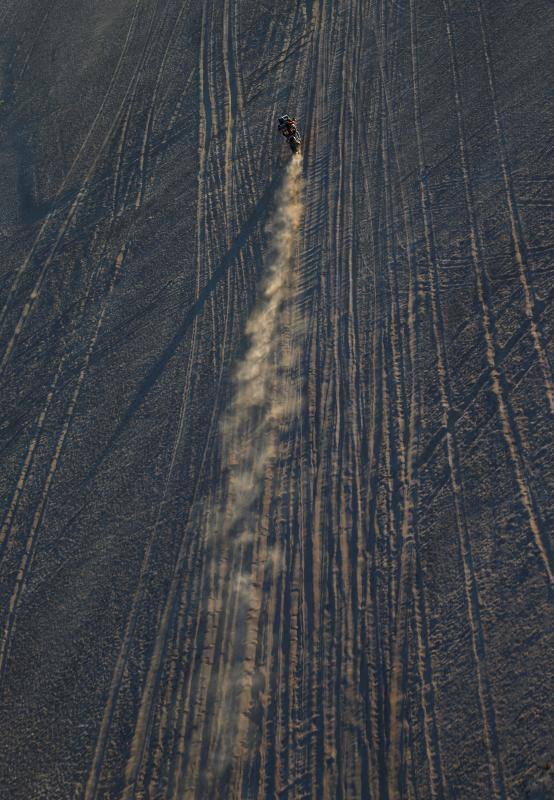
[238, 555]
[264, 393]
[266, 400]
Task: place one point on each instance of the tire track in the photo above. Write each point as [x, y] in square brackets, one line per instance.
[49, 217]
[512, 436]
[410, 513]
[32, 539]
[470, 581]
[132, 619]
[69, 218]
[516, 227]
[251, 395]
[344, 636]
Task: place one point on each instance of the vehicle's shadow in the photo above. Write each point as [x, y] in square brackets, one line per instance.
[151, 378]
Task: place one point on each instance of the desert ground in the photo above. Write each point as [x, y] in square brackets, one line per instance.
[276, 482]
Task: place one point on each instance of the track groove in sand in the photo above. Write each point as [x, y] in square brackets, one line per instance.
[359, 617]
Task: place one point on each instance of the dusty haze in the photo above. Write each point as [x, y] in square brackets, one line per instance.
[276, 481]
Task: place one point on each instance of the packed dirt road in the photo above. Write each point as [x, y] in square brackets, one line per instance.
[276, 435]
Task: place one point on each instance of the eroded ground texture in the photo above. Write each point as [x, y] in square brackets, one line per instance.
[342, 588]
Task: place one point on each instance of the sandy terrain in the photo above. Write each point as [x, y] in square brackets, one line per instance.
[276, 435]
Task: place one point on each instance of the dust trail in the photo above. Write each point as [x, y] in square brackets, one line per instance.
[262, 383]
[266, 401]
[265, 404]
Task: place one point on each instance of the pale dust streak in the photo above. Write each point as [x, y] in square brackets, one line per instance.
[263, 383]
[265, 402]
[266, 398]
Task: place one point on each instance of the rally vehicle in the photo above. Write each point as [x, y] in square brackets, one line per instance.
[287, 126]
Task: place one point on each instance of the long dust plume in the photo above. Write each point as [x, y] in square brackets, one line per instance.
[266, 401]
